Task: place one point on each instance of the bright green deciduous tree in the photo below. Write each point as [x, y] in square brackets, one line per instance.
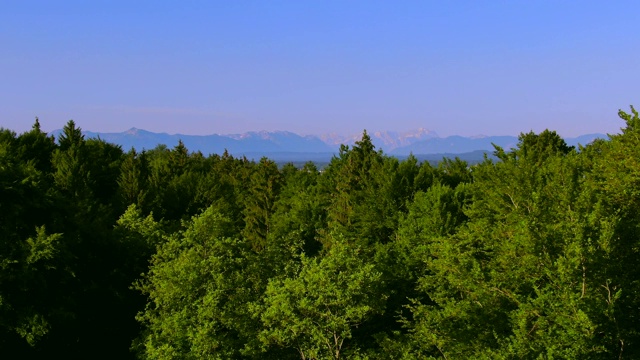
[524, 277]
[317, 308]
[200, 284]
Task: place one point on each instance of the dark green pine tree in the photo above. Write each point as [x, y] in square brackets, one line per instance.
[30, 256]
[264, 188]
[36, 146]
[158, 180]
[133, 179]
[70, 164]
[95, 298]
[298, 216]
[361, 195]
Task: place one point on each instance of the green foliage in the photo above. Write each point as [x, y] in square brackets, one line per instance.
[632, 121]
[43, 247]
[523, 278]
[37, 147]
[317, 308]
[536, 147]
[359, 185]
[533, 256]
[297, 211]
[28, 260]
[436, 212]
[70, 136]
[199, 286]
[263, 191]
[132, 182]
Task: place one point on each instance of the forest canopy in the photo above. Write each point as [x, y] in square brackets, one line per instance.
[172, 254]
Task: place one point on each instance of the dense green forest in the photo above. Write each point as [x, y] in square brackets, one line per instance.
[167, 254]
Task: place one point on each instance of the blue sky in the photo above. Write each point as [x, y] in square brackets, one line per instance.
[312, 67]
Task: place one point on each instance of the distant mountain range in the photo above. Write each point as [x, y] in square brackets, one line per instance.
[386, 140]
[288, 146]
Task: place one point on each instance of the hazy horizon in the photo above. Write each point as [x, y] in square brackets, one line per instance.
[319, 135]
[202, 68]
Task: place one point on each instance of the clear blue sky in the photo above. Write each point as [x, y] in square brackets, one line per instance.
[311, 67]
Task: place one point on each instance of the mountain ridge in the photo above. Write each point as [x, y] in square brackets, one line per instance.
[262, 143]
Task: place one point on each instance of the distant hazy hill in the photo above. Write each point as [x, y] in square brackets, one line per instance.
[459, 144]
[287, 146]
[237, 144]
